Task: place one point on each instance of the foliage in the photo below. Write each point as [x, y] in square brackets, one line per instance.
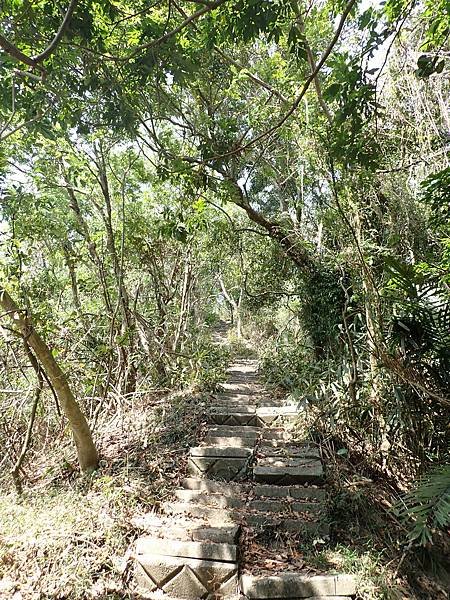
[427, 506]
[284, 165]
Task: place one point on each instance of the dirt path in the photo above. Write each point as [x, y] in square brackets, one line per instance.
[251, 493]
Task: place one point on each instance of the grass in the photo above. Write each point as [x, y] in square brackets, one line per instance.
[70, 536]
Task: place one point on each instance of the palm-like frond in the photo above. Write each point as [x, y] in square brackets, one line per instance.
[428, 505]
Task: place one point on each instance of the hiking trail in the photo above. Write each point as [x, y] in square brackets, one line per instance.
[251, 492]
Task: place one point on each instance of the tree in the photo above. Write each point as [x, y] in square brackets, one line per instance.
[86, 450]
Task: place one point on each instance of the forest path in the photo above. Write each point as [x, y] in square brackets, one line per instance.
[251, 497]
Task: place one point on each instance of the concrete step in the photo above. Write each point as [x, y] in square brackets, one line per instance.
[224, 441]
[233, 407]
[288, 471]
[186, 578]
[216, 462]
[219, 452]
[213, 516]
[184, 528]
[242, 387]
[294, 585]
[234, 418]
[269, 505]
[286, 506]
[210, 499]
[252, 416]
[303, 526]
[204, 550]
[214, 487]
[280, 448]
[294, 491]
[234, 430]
[240, 490]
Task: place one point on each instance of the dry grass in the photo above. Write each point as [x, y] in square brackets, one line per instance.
[69, 536]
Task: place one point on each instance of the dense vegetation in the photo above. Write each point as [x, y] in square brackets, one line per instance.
[280, 164]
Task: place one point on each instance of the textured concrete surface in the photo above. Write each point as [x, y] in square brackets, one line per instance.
[204, 550]
[292, 585]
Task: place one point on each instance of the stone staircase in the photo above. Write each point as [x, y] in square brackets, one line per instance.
[247, 480]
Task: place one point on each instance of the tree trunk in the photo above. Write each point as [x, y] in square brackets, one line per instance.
[86, 450]
[234, 306]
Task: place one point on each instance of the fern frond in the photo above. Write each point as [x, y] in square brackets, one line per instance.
[428, 505]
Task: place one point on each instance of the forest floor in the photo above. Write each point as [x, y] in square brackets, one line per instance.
[71, 537]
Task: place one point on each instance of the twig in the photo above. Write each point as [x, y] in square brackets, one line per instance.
[26, 443]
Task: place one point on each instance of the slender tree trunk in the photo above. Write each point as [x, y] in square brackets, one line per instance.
[86, 450]
[235, 306]
[70, 263]
[374, 342]
[127, 329]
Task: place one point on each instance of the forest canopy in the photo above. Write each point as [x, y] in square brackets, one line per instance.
[281, 164]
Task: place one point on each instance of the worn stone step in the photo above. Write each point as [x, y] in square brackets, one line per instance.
[190, 579]
[224, 441]
[218, 451]
[210, 499]
[273, 433]
[233, 404]
[286, 506]
[241, 387]
[268, 415]
[184, 528]
[204, 550]
[214, 516]
[234, 430]
[213, 467]
[233, 418]
[278, 448]
[232, 408]
[288, 471]
[269, 521]
[297, 492]
[214, 487]
[294, 585]
[244, 399]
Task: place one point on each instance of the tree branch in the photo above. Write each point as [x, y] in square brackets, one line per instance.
[59, 34]
[302, 93]
[33, 61]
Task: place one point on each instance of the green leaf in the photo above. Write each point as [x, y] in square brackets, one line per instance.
[331, 92]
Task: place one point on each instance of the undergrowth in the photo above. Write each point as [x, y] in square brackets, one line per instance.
[367, 484]
[70, 536]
